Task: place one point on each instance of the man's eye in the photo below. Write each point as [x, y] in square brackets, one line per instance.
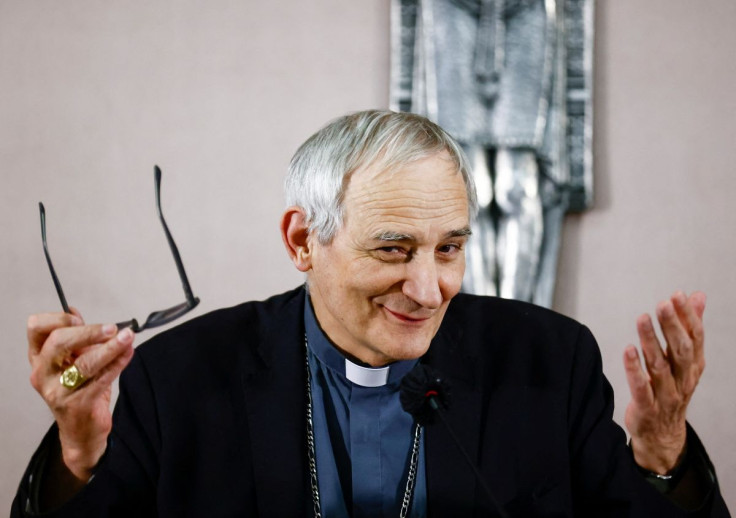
[450, 248]
[392, 254]
[392, 250]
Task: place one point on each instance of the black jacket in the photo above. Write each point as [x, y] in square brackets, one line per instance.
[210, 421]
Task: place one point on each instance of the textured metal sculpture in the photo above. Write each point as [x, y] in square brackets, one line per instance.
[511, 80]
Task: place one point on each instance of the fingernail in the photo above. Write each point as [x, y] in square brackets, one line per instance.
[76, 321]
[109, 329]
[631, 353]
[125, 336]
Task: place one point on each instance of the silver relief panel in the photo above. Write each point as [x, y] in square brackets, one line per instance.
[512, 81]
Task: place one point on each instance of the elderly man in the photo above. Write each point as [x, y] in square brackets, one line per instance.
[290, 406]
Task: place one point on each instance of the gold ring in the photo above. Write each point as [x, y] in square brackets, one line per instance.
[71, 378]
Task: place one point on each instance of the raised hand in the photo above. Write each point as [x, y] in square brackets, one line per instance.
[660, 395]
[57, 341]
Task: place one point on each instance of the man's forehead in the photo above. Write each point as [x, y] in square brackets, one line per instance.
[425, 199]
[431, 178]
[383, 167]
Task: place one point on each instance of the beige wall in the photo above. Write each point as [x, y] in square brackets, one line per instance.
[220, 93]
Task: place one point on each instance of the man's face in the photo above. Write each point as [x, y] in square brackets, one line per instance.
[381, 288]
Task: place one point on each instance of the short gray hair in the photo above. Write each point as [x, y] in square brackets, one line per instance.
[321, 168]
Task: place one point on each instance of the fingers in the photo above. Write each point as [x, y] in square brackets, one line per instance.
[110, 372]
[103, 363]
[40, 326]
[682, 316]
[690, 310]
[92, 348]
[639, 386]
[677, 338]
[682, 327]
[697, 299]
[76, 312]
[100, 364]
[64, 344]
[674, 374]
[657, 364]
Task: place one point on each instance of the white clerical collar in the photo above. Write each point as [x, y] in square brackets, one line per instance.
[366, 376]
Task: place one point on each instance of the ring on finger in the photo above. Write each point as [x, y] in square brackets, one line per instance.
[71, 378]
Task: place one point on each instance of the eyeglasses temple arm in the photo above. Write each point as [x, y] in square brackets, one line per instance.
[57, 284]
[172, 245]
[132, 324]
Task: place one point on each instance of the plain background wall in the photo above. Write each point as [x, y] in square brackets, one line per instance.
[221, 93]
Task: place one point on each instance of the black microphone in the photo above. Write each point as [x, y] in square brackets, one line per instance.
[424, 394]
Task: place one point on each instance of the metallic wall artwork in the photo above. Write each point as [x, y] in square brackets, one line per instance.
[512, 81]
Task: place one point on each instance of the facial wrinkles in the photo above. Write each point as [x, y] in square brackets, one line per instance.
[423, 195]
[427, 177]
[403, 305]
[383, 209]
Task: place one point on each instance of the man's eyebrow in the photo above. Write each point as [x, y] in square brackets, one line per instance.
[461, 232]
[391, 235]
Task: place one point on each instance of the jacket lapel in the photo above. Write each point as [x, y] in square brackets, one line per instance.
[451, 483]
[274, 425]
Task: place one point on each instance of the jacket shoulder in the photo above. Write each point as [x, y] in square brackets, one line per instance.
[224, 335]
[517, 341]
[509, 316]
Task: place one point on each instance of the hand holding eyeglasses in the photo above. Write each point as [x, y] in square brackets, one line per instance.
[74, 366]
[101, 352]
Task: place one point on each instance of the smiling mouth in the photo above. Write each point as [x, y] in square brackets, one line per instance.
[406, 318]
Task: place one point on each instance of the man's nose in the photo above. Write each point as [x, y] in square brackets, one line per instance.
[422, 283]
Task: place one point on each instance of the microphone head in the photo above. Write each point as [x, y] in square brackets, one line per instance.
[421, 387]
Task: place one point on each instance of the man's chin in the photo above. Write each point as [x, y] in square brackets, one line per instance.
[409, 350]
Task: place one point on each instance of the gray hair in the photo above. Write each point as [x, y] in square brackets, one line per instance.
[321, 168]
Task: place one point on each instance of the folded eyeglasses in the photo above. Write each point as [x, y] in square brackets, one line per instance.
[157, 318]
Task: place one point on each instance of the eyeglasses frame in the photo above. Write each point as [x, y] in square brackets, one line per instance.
[157, 318]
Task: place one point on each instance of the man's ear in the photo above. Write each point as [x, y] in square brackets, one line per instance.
[295, 234]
